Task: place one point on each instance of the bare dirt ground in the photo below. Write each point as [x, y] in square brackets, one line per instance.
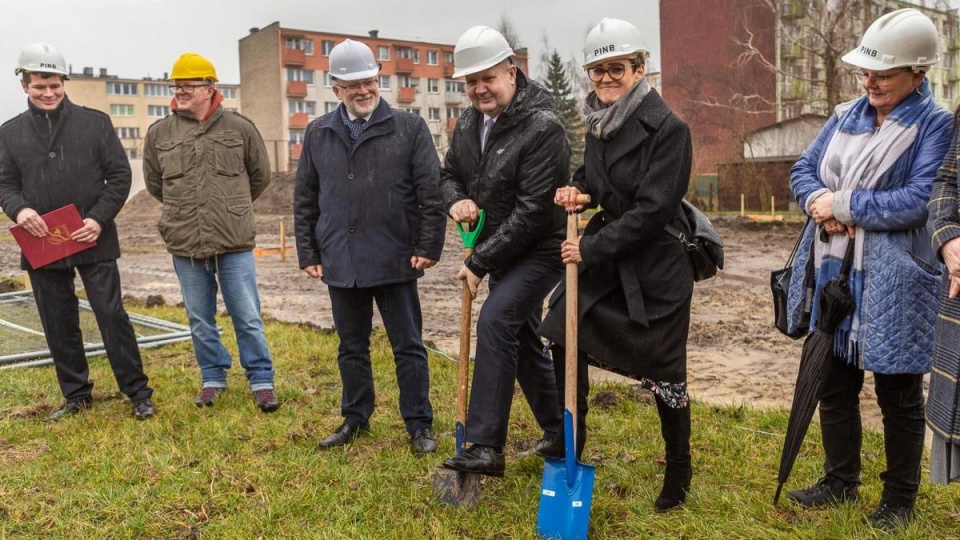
[735, 354]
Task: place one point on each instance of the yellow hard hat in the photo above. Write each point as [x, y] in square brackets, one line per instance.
[193, 66]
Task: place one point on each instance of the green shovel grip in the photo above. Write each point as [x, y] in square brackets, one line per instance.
[470, 237]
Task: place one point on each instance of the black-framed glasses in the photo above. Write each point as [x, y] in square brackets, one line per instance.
[878, 78]
[188, 88]
[353, 87]
[616, 71]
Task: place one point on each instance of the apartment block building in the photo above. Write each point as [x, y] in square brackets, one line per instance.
[285, 83]
[733, 67]
[133, 104]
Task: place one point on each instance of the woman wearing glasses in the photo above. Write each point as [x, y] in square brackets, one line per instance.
[636, 280]
[866, 179]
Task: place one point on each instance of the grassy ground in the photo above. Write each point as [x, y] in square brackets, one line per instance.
[231, 472]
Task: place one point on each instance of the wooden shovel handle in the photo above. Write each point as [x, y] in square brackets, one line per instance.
[570, 393]
[463, 368]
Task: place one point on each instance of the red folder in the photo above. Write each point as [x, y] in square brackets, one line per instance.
[56, 245]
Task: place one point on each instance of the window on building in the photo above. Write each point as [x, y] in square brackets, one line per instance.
[448, 57]
[304, 44]
[302, 106]
[383, 53]
[433, 58]
[121, 110]
[411, 110]
[131, 153]
[327, 79]
[297, 74]
[328, 46]
[454, 86]
[128, 132]
[157, 111]
[229, 93]
[121, 89]
[409, 52]
[433, 113]
[408, 81]
[384, 81]
[330, 106]
[296, 137]
[436, 140]
[433, 86]
[454, 112]
[156, 90]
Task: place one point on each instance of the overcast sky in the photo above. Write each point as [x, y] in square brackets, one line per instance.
[140, 38]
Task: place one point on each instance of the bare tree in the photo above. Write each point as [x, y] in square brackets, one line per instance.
[509, 31]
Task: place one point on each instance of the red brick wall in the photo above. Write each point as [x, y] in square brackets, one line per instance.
[699, 64]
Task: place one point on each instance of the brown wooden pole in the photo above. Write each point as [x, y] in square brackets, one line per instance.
[283, 241]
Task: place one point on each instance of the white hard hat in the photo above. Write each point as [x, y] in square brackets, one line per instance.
[612, 38]
[900, 38]
[41, 58]
[479, 48]
[352, 60]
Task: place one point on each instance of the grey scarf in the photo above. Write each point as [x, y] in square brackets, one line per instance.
[605, 121]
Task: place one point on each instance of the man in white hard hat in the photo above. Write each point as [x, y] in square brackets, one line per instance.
[508, 156]
[369, 221]
[55, 154]
[207, 165]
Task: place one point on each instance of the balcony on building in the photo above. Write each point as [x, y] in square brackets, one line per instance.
[295, 150]
[451, 125]
[294, 57]
[407, 94]
[296, 88]
[453, 97]
[448, 70]
[404, 65]
[299, 120]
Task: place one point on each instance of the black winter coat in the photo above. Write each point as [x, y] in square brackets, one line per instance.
[72, 155]
[362, 211]
[636, 280]
[525, 160]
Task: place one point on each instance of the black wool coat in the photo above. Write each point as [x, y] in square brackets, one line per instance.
[72, 155]
[636, 280]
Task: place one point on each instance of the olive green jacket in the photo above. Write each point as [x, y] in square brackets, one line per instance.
[207, 175]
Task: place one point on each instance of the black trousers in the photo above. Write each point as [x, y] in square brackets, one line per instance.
[399, 307]
[59, 311]
[509, 349]
[901, 404]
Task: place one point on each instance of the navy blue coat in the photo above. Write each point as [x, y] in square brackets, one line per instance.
[362, 211]
[72, 156]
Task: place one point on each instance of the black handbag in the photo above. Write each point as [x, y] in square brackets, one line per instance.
[705, 247]
[780, 287]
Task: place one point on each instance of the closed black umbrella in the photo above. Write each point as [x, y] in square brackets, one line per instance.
[836, 303]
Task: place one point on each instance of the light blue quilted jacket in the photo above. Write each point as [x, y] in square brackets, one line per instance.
[901, 272]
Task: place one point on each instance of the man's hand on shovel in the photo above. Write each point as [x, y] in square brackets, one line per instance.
[471, 279]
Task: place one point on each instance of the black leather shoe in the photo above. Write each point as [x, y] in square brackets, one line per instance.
[551, 448]
[826, 492]
[423, 441]
[478, 459]
[70, 408]
[890, 516]
[143, 409]
[344, 434]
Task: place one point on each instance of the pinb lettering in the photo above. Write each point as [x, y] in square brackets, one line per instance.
[868, 51]
[605, 49]
[43, 65]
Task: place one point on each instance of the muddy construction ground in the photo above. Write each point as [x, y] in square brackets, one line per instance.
[735, 354]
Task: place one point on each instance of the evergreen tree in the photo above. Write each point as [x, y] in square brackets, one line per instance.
[565, 106]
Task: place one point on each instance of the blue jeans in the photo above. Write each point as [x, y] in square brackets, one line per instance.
[237, 276]
[399, 308]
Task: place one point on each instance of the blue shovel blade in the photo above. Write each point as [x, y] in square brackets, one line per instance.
[566, 494]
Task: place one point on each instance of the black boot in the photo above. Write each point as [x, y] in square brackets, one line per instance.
[675, 429]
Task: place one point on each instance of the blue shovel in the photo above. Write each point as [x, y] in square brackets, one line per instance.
[567, 487]
[458, 488]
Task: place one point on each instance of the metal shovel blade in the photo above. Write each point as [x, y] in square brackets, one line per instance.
[457, 488]
[566, 493]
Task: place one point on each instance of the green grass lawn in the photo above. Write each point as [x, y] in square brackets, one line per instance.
[232, 472]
